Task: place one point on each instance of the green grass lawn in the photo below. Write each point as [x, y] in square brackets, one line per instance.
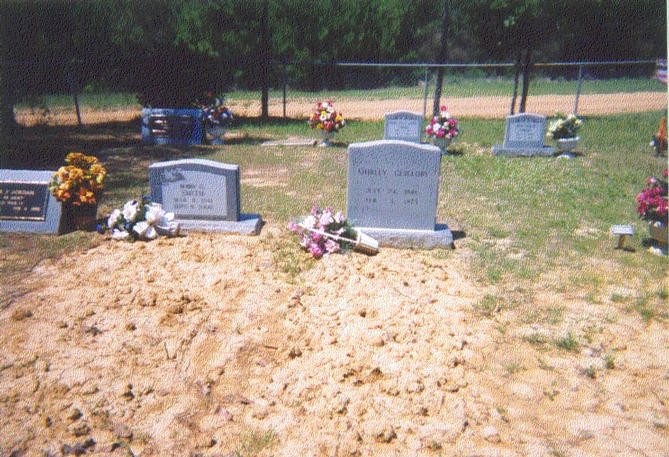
[453, 86]
[523, 219]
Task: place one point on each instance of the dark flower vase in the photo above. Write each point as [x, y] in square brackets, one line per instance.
[81, 217]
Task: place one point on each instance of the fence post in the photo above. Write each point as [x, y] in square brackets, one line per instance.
[427, 81]
[284, 91]
[73, 89]
[578, 88]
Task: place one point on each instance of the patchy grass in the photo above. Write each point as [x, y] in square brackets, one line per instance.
[253, 442]
[567, 343]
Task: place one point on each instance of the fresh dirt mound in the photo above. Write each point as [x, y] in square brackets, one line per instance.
[493, 107]
[201, 345]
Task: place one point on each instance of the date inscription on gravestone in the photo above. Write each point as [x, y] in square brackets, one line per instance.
[23, 201]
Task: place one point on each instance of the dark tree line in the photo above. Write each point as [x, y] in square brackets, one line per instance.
[169, 51]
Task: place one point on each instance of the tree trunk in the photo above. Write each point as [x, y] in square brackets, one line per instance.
[527, 68]
[515, 83]
[441, 58]
[264, 60]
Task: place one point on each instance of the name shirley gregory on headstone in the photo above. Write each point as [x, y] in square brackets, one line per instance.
[524, 136]
[403, 125]
[392, 193]
[26, 205]
[171, 126]
[202, 194]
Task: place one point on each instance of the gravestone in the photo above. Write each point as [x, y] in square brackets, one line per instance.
[171, 126]
[202, 194]
[403, 125]
[524, 137]
[26, 205]
[392, 193]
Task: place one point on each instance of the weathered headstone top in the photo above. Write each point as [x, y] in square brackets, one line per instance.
[524, 136]
[392, 192]
[403, 125]
[26, 205]
[202, 194]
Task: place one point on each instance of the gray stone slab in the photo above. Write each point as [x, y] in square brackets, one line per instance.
[441, 237]
[546, 151]
[524, 137]
[290, 142]
[26, 205]
[249, 224]
[404, 126]
[202, 194]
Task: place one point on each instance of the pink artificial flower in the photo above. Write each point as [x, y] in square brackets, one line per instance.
[314, 211]
[293, 226]
[650, 181]
[443, 108]
[665, 172]
[331, 246]
[441, 133]
[452, 123]
[316, 237]
[316, 250]
[428, 130]
[339, 217]
[452, 133]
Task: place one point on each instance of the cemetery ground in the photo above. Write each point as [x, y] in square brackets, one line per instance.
[532, 337]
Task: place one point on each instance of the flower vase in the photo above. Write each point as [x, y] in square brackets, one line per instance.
[80, 217]
[365, 243]
[567, 144]
[215, 134]
[658, 232]
[442, 143]
[325, 138]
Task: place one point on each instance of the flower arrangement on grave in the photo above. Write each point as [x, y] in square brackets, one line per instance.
[215, 113]
[652, 201]
[564, 127]
[323, 232]
[442, 126]
[325, 117]
[80, 181]
[140, 220]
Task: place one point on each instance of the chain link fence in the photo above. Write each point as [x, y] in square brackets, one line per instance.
[369, 90]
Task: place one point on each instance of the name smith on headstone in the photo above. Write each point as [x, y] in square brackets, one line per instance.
[392, 193]
[524, 136]
[203, 194]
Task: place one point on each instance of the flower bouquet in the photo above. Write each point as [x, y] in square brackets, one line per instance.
[653, 206]
[442, 129]
[143, 220]
[326, 120]
[563, 130]
[215, 116]
[79, 185]
[323, 233]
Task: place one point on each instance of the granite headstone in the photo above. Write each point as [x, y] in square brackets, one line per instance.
[26, 205]
[392, 193]
[202, 194]
[524, 137]
[403, 125]
[171, 126]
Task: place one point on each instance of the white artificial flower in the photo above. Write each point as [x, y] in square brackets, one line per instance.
[324, 117]
[144, 230]
[154, 213]
[339, 217]
[436, 126]
[114, 218]
[309, 222]
[326, 218]
[117, 234]
[130, 210]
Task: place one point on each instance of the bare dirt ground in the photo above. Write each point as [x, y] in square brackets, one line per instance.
[201, 345]
[494, 107]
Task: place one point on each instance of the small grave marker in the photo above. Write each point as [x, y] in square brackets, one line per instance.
[524, 136]
[171, 126]
[623, 231]
[202, 194]
[26, 205]
[392, 193]
[403, 125]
